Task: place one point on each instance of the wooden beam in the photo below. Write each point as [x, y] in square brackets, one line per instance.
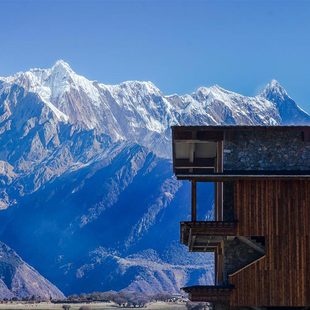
[215, 231]
[201, 135]
[219, 156]
[219, 185]
[197, 163]
[192, 155]
[215, 267]
[219, 210]
[225, 278]
[192, 141]
[191, 245]
[192, 152]
[194, 201]
[219, 265]
[242, 176]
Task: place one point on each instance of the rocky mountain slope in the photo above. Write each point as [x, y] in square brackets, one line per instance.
[19, 280]
[86, 178]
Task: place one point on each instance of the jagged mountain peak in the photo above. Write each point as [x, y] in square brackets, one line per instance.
[58, 75]
[146, 86]
[62, 65]
[203, 90]
[273, 91]
[217, 87]
[216, 90]
[42, 75]
[61, 70]
[59, 67]
[274, 83]
[288, 109]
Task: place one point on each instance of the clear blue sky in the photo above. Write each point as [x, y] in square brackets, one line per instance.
[179, 45]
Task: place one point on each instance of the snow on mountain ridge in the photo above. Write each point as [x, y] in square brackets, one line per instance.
[275, 88]
[53, 84]
[230, 107]
[146, 104]
[289, 112]
[138, 111]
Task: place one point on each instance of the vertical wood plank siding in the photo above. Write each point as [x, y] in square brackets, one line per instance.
[280, 211]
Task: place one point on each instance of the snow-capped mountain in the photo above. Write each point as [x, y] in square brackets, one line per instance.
[139, 112]
[19, 280]
[86, 179]
[287, 108]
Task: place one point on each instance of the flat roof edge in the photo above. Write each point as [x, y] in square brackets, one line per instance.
[215, 177]
[241, 127]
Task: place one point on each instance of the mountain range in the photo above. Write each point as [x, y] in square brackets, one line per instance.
[87, 195]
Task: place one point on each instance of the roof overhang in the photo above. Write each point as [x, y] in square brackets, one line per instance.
[247, 175]
[196, 148]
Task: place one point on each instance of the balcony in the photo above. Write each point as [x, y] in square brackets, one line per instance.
[204, 236]
[209, 293]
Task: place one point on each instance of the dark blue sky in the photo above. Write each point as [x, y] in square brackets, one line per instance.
[179, 45]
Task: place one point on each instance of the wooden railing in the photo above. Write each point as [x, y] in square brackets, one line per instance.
[209, 293]
[207, 228]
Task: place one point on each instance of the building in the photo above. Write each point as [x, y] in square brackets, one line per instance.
[260, 234]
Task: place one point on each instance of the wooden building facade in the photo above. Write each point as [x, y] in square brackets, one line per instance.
[261, 231]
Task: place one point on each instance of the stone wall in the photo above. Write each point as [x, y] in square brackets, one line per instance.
[266, 150]
[237, 254]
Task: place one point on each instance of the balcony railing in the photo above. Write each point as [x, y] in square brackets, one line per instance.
[209, 293]
[206, 230]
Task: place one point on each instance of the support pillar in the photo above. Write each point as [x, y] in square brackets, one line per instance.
[194, 201]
